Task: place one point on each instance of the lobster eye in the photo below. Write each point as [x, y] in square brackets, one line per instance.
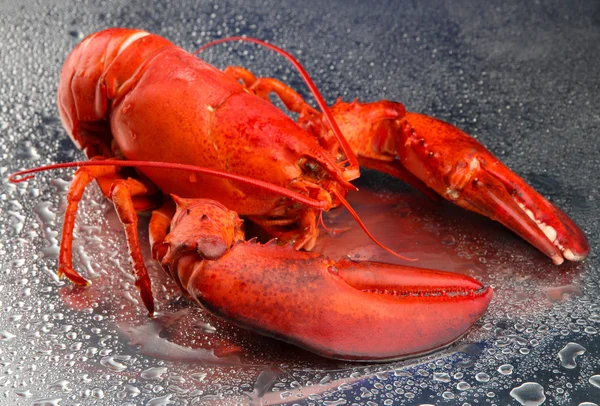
[310, 165]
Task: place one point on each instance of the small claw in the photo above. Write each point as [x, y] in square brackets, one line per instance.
[344, 310]
[463, 171]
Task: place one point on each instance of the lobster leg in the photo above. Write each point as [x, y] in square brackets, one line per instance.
[303, 236]
[309, 118]
[82, 178]
[120, 192]
[159, 228]
[263, 87]
[460, 169]
[345, 310]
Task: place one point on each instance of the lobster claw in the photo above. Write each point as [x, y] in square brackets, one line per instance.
[429, 153]
[343, 310]
[463, 171]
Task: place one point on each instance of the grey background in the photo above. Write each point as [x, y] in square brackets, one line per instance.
[522, 77]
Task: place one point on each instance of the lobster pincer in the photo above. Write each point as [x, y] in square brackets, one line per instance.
[433, 155]
[344, 310]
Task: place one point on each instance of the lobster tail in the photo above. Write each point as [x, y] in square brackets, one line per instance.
[94, 73]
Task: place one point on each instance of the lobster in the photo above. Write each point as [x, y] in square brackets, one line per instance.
[166, 131]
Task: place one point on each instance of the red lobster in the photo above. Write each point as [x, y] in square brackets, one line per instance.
[127, 97]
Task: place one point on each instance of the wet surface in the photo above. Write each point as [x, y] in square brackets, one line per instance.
[522, 78]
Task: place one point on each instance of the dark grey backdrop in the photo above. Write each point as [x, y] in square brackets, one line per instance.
[523, 77]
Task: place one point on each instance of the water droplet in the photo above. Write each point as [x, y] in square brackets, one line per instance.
[206, 327]
[326, 379]
[98, 393]
[23, 393]
[482, 377]
[462, 386]
[6, 336]
[529, 394]
[561, 293]
[47, 217]
[448, 395]
[568, 354]
[153, 373]
[112, 363]
[132, 390]
[60, 385]
[47, 402]
[441, 377]
[148, 337]
[506, 369]
[595, 380]
[199, 376]
[161, 401]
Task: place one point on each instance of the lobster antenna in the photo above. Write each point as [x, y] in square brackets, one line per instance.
[311, 85]
[323, 222]
[364, 228]
[19, 177]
